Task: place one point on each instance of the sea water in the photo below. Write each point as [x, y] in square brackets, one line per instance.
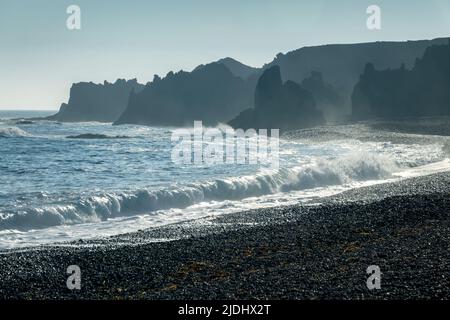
[54, 188]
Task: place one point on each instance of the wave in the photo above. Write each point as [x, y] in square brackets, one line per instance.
[11, 132]
[111, 205]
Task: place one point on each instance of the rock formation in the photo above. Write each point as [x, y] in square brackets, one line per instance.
[422, 91]
[97, 102]
[211, 93]
[279, 106]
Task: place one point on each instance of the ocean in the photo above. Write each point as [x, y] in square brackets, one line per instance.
[121, 179]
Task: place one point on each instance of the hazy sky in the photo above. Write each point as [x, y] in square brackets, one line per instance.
[40, 58]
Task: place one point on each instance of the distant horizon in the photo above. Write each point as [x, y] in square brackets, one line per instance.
[37, 108]
[137, 38]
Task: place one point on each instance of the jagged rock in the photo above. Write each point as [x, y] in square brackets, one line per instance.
[279, 106]
[327, 98]
[422, 91]
[96, 102]
[342, 64]
[210, 93]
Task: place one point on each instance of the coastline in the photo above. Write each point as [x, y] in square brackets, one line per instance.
[295, 252]
[224, 159]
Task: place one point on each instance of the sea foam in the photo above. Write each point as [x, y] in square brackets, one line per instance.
[339, 171]
[11, 132]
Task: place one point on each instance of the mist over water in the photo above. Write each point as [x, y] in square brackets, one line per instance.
[54, 188]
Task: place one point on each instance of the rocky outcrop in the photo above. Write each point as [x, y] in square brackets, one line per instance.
[211, 93]
[342, 64]
[97, 102]
[217, 92]
[327, 98]
[279, 106]
[422, 91]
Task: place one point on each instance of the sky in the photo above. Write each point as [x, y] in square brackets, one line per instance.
[40, 57]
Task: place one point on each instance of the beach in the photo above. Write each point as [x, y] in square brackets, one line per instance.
[218, 158]
[295, 252]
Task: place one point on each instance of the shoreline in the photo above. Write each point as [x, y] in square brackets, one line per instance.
[295, 252]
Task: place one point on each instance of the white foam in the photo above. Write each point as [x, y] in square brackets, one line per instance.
[120, 225]
[440, 166]
[10, 132]
[340, 171]
[313, 173]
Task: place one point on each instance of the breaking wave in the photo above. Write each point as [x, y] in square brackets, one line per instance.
[111, 205]
[12, 132]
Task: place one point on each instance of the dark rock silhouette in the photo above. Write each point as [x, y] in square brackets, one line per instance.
[239, 69]
[95, 136]
[24, 121]
[279, 106]
[422, 91]
[97, 102]
[210, 93]
[327, 98]
[217, 92]
[342, 64]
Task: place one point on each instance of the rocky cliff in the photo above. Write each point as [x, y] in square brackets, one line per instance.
[97, 102]
[211, 93]
[279, 106]
[342, 64]
[422, 91]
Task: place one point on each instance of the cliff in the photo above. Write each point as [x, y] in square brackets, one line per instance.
[342, 64]
[219, 91]
[210, 93]
[279, 106]
[327, 98]
[239, 69]
[97, 102]
[422, 91]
